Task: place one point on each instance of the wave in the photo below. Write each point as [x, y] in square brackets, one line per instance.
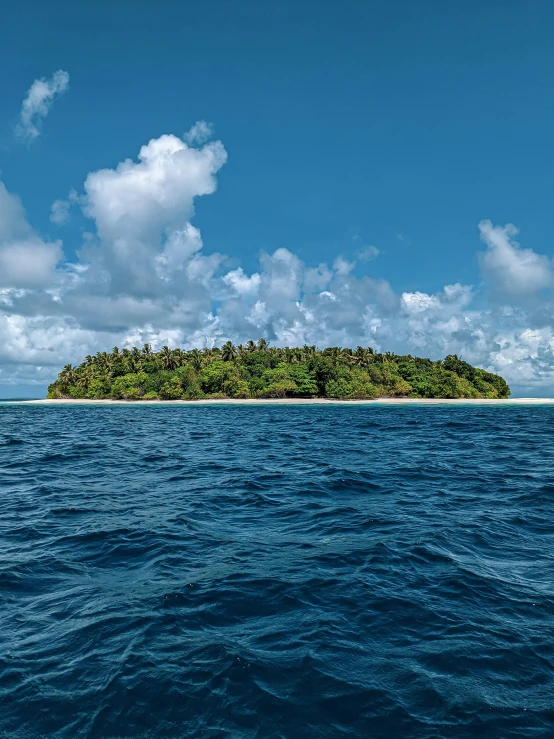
[277, 571]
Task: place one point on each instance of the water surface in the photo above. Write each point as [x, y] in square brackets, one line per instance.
[241, 571]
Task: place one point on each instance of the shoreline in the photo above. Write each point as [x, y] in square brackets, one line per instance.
[293, 401]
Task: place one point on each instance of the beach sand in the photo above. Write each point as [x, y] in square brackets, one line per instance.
[300, 401]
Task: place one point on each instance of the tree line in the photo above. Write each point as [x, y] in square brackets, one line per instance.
[256, 370]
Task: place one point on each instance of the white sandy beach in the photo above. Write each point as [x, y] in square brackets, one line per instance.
[300, 401]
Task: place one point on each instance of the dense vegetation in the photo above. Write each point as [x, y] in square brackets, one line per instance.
[256, 370]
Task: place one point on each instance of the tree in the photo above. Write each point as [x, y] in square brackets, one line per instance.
[228, 352]
[167, 358]
[196, 359]
[171, 390]
[179, 357]
[360, 356]
[257, 370]
[220, 377]
[68, 375]
[130, 386]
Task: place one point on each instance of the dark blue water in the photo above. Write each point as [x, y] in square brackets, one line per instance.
[276, 571]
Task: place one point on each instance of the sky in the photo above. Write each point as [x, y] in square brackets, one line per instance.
[332, 173]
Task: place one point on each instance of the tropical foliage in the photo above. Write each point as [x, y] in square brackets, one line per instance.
[256, 370]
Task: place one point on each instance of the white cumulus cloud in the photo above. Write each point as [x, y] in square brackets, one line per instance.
[26, 261]
[511, 269]
[143, 275]
[241, 283]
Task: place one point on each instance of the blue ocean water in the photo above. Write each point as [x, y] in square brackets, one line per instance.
[274, 571]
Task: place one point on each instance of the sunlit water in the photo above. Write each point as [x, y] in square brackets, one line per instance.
[276, 571]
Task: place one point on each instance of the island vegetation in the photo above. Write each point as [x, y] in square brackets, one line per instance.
[256, 370]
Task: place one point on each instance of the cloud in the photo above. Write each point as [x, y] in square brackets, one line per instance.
[342, 266]
[367, 253]
[59, 211]
[180, 246]
[38, 102]
[452, 298]
[143, 275]
[26, 261]
[142, 211]
[142, 199]
[510, 269]
[241, 284]
[199, 133]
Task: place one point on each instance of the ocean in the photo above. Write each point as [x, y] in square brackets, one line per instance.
[276, 572]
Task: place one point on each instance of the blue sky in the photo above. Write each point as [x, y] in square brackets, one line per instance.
[398, 125]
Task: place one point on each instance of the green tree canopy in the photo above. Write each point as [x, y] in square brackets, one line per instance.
[258, 370]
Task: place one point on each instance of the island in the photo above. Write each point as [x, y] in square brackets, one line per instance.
[256, 370]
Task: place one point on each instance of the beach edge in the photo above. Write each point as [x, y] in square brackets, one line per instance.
[290, 401]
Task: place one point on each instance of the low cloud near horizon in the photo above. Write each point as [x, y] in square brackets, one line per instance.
[143, 275]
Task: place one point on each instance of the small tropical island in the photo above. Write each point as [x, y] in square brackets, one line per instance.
[256, 370]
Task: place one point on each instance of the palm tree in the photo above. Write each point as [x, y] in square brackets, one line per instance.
[68, 375]
[104, 360]
[135, 360]
[147, 350]
[346, 354]
[166, 357]
[179, 358]
[359, 356]
[196, 359]
[334, 352]
[228, 351]
[287, 354]
[262, 345]
[84, 378]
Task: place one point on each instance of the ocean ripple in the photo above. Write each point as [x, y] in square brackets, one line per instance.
[272, 571]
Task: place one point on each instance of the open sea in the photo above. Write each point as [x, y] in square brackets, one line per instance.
[275, 572]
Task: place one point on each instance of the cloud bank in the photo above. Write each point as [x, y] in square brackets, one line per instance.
[38, 102]
[143, 275]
